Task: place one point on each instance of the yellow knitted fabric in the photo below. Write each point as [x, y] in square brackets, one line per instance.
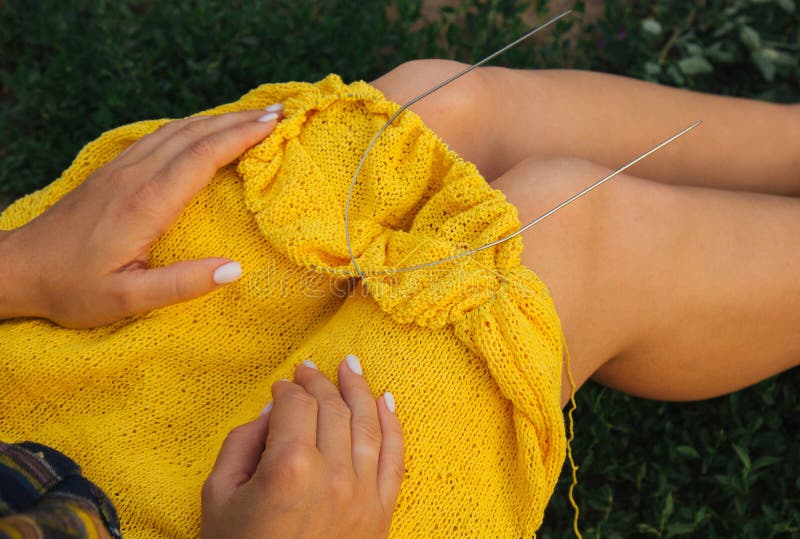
[472, 349]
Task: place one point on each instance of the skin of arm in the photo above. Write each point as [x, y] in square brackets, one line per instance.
[98, 272]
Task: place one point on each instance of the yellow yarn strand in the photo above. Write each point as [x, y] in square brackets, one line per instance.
[573, 407]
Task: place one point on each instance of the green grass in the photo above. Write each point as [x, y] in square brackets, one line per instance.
[69, 70]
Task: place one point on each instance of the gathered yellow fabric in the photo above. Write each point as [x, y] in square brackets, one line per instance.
[472, 349]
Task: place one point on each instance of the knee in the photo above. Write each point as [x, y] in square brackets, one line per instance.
[450, 110]
[591, 253]
[590, 244]
[540, 184]
[411, 78]
[536, 185]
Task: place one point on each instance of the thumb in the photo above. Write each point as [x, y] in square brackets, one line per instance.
[239, 456]
[150, 289]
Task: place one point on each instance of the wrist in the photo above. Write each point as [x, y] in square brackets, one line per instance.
[16, 288]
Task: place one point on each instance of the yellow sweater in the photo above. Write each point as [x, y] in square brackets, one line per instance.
[472, 349]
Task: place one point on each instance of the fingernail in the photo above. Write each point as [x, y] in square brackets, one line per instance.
[277, 107]
[310, 364]
[353, 363]
[388, 398]
[267, 408]
[268, 117]
[228, 273]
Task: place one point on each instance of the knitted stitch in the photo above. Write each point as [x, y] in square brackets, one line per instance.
[472, 349]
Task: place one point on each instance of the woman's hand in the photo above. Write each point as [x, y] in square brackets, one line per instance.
[83, 263]
[316, 464]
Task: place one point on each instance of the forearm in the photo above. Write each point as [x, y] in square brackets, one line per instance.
[607, 119]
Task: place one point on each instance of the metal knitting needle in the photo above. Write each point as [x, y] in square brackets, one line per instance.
[404, 107]
[546, 214]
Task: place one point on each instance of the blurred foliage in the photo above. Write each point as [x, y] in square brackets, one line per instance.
[70, 69]
[722, 468]
[742, 47]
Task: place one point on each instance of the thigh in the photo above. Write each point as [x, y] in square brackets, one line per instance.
[496, 117]
[665, 292]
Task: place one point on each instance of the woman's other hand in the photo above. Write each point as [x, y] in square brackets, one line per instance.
[83, 263]
[319, 463]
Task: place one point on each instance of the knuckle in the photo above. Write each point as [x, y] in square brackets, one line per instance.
[169, 126]
[368, 429]
[384, 524]
[203, 148]
[208, 492]
[181, 287]
[299, 397]
[337, 407]
[122, 174]
[295, 464]
[340, 488]
[396, 468]
[124, 298]
[234, 434]
[143, 200]
[192, 128]
[290, 475]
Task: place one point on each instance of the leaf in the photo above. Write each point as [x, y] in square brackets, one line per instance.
[701, 515]
[750, 38]
[687, 451]
[695, 65]
[669, 507]
[693, 49]
[764, 64]
[648, 529]
[743, 456]
[651, 26]
[778, 57]
[787, 5]
[680, 528]
[763, 462]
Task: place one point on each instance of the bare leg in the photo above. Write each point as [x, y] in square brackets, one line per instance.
[665, 292]
[497, 117]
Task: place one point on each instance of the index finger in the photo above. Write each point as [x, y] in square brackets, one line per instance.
[197, 160]
[293, 418]
[144, 147]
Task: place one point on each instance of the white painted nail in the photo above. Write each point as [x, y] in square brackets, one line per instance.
[388, 398]
[310, 364]
[268, 117]
[267, 408]
[228, 273]
[354, 364]
[277, 107]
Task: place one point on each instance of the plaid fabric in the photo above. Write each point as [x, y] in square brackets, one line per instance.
[44, 495]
